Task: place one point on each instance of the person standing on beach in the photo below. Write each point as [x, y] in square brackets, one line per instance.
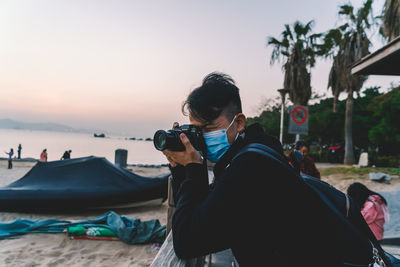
[19, 151]
[263, 212]
[43, 155]
[66, 155]
[10, 155]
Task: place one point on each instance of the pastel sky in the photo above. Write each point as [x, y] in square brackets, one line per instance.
[126, 66]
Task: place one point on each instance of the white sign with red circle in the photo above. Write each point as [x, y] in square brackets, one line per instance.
[298, 120]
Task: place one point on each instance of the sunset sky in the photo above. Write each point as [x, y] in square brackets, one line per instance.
[126, 66]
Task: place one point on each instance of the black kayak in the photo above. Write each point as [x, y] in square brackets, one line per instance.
[80, 184]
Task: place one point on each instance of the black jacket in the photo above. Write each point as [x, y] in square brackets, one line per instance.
[265, 214]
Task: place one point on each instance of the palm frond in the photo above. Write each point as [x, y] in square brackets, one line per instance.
[279, 48]
[287, 32]
[299, 47]
[297, 28]
[331, 40]
[363, 13]
[347, 10]
[273, 41]
[308, 27]
[344, 27]
[390, 18]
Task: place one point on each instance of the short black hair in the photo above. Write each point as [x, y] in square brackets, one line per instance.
[299, 144]
[217, 95]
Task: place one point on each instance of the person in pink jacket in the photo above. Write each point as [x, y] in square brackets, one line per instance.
[43, 155]
[373, 207]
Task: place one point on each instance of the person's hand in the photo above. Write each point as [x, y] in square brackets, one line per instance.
[190, 155]
[171, 162]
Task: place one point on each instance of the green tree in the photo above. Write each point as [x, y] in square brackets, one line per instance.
[376, 121]
[326, 127]
[390, 28]
[332, 41]
[350, 44]
[386, 133]
[269, 117]
[362, 121]
[299, 48]
[324, 124]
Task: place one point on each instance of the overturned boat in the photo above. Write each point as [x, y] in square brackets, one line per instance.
[80, 184]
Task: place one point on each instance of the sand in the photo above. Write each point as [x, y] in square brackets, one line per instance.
[342, 182]
[59, 250]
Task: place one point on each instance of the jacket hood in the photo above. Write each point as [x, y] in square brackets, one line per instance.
[376, 198]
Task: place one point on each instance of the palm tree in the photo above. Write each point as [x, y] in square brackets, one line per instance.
[349, 43]
[298, 47]
[332, 40]
[390, 28]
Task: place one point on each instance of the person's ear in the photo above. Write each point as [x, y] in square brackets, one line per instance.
[240, 122]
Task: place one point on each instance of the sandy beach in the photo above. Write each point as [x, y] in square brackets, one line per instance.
[59, 250]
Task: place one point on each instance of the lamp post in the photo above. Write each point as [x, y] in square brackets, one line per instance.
[283, 93]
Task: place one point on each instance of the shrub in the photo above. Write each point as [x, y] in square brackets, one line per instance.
[319, 155]
[385, 161]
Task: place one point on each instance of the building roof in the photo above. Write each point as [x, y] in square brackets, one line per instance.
[384, 61]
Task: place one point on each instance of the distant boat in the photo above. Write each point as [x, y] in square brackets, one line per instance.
[99, 135]
[132, 138]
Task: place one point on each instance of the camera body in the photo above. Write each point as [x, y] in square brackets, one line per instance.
[170, 139]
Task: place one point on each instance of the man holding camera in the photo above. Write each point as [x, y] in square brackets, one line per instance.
[261, 211]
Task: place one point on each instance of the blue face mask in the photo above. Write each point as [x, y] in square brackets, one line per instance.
[217, 143]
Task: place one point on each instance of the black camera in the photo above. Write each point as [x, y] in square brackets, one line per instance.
[170, 139]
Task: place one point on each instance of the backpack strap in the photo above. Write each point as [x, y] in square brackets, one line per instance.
[347, 205]
[280, 159]
[271, 153]
[275, 156]
[267, 152]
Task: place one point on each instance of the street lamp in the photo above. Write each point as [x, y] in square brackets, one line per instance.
[283, 93]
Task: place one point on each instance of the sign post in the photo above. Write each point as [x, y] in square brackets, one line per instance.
[283, 93]
[298, 120]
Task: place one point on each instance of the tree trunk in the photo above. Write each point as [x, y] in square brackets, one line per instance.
[335, 102]
[348, 131]
[336, 94]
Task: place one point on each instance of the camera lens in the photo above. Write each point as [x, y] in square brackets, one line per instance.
[160, 140]
[168, 140]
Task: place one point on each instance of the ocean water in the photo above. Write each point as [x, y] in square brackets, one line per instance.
[81, 144]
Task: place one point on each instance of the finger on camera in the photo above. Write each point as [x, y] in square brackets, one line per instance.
[185, 140]
[167, 152]
[173, 163]
[175, 125]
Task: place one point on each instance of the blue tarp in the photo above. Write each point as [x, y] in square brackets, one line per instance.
[79, 184]
[129, 230]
